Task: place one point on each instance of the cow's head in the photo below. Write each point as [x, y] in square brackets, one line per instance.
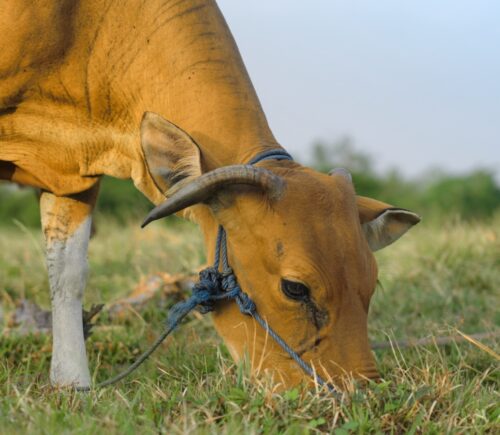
[300, 243]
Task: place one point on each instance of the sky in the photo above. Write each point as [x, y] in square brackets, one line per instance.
[415, 83]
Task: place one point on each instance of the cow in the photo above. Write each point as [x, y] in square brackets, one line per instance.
[156, 91]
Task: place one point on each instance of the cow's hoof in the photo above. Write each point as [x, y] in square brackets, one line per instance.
[87, 317]
[82, 385]
[74, 375]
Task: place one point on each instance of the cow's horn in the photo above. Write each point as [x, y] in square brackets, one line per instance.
[205, 186]
[341, 171]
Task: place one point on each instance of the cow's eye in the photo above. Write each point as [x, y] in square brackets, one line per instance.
[294, 290]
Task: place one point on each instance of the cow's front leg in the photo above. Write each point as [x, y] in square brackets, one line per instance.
[66, 223]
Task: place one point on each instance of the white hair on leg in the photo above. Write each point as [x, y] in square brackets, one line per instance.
[67, 269]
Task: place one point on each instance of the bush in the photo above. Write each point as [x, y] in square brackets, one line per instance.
[474, 195]
[121, 200]
[118, 199]
[19, 204]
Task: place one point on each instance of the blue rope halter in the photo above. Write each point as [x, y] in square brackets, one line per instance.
[215, 285]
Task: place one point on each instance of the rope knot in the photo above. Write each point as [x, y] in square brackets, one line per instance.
[229, 281]
[210, 277]
[207, 289]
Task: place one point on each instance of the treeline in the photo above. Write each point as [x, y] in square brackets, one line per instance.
[118, 200]
[436, 195]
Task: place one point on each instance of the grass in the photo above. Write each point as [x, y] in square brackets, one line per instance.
[434, 280]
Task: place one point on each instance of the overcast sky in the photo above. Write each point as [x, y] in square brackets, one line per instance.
[415, 83]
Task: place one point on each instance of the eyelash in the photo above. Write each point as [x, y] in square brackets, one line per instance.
[295, 290]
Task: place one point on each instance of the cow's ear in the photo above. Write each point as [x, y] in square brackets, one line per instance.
[382, 223]
[171, 154]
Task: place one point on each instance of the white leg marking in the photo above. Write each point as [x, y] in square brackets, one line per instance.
[67, 268]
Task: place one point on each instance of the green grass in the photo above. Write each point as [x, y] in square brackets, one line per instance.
[434, 280]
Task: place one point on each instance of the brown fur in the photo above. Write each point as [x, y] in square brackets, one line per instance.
[322, 247]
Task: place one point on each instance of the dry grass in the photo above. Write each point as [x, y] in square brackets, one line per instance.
[434, 281]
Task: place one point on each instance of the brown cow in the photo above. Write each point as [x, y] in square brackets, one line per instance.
[79, 80]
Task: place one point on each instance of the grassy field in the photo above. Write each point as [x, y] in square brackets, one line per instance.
[436, 279]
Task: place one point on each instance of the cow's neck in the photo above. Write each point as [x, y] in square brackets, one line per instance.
[180, 60]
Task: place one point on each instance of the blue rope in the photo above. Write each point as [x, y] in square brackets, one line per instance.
[277, 154]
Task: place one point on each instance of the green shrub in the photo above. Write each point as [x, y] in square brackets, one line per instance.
[121, 200]
[19, 204]
[474, 195]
